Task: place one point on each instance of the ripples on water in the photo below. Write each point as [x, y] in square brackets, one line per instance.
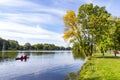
[45, 65]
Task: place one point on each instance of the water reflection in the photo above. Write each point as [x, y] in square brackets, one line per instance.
[78, 55]
[38, 65]
[42, 53]
[7, 56]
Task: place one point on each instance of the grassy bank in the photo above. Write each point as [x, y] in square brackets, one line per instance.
[98, 68]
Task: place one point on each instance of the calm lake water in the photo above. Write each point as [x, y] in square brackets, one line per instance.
[45, 65]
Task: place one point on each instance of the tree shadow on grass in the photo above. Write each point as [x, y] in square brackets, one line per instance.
[93, 78]
[108, 57]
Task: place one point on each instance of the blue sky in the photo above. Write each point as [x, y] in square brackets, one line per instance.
[40, 21]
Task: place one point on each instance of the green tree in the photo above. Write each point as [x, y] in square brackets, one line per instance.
[89, 29]
[116, 36]
[27, 46]
[38, 46]
[4, 45]
[21, 47]
[95, 21]
[13, 45]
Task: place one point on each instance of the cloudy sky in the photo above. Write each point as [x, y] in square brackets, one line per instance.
[40, 21]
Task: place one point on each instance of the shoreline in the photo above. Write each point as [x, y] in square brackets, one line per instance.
[36, 51]
[98, 68]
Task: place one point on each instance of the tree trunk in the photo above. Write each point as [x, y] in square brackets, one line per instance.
[115, 51]
[102, 52]
[91, 48]
[115, 54]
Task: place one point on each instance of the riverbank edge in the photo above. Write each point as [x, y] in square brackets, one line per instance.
[81, 72]
[107, 68]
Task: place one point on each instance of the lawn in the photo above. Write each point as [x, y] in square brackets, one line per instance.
[99, 68]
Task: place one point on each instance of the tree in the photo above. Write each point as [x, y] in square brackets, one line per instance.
[116, 35]
[73, 31]
[27, 46]
[89, 29]
[13, 45]
[4, 45]
[95, 20]
[21, 47]
[38, 46]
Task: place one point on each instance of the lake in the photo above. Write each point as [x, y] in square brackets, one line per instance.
[38, 65]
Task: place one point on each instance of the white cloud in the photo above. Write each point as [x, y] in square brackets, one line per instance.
[18, 30]
[33, 13]
[30, 18]
[30, 6]
[4, 1]
[16, 3]
[13, 30]
[88, 1]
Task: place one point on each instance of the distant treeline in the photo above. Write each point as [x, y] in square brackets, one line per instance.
[14, 45]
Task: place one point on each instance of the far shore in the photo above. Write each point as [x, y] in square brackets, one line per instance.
[36, 51]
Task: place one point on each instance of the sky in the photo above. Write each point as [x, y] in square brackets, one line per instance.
[40, 21]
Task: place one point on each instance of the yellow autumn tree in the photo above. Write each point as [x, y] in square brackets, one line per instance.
[73, 32]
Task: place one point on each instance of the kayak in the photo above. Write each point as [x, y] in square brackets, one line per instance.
[21, 58]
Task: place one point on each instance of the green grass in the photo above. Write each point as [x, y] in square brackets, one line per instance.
[99, 68]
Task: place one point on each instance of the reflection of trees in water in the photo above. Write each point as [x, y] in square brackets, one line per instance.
[71, 76]
[7, 56]
[49, 55]
[27, 53]
[78, 53]
[41, 53]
